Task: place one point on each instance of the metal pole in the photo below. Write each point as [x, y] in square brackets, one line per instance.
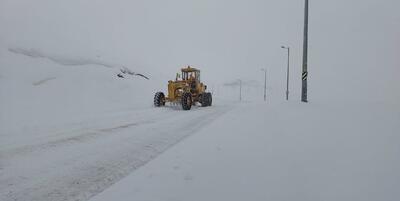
[305, 54]
[265, 84]
[287, 74]
[240, 90]
[287, 71]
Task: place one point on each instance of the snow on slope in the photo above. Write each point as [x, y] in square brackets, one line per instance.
[278, 151]
[60, 60]
[39, 94]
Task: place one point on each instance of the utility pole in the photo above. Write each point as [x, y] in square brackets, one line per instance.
[240, 90]
[305, 54]
[265, 83]
[287, 71]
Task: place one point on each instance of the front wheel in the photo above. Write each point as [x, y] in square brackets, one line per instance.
[186, 101]
[159, 99]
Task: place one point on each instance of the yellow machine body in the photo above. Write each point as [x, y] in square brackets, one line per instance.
[187, 81]
[186, 89]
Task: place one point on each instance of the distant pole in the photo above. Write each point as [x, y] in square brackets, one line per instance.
[305, 54]
[265, 83]
[287, 71]
[240, 90]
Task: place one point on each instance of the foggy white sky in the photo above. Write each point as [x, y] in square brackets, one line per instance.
[353, 45]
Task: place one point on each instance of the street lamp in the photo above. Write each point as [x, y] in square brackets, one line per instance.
[265, 83]
[287, 71]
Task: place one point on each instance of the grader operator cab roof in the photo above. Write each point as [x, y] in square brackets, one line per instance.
[189, 73]
[190, 69]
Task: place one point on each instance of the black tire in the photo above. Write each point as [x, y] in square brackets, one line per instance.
[186, 101]
[203, 99]
[209, 99]
[206, 99]
[159, 99]
[200, 98]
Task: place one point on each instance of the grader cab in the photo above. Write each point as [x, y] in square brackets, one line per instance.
[186, 89]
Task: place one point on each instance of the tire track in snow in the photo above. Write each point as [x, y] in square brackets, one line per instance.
[79, 170]
[83, 137]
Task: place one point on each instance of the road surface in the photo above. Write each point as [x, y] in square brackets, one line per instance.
[84, 158]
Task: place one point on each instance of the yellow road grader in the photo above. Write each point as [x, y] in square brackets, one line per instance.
[186, 90]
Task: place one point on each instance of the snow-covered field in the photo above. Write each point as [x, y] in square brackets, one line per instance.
[278, 151]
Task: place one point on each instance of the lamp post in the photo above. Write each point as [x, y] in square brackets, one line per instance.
[287, 71]
[265, 83]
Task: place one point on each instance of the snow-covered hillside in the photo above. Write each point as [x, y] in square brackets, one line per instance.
[39, 93]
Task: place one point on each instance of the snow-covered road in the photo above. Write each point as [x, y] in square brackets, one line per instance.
[284, 151]
[83, 159]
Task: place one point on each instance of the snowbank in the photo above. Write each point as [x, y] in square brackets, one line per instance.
[41, 92]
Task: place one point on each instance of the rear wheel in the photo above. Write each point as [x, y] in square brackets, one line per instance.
[209, 99]
[200, 98]
[159, 99]
[186, 101]
[206, 99]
